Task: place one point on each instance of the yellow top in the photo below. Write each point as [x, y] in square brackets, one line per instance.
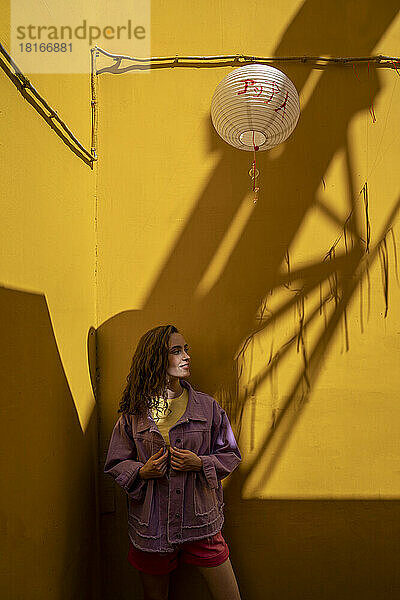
[176, 408]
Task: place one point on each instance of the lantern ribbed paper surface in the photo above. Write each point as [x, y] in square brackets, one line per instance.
[255, 105]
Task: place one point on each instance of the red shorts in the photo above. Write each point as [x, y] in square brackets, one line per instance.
[209, 552]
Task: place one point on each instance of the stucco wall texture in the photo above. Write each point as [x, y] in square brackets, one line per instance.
[163, 230]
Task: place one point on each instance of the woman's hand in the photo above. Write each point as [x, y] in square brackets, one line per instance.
[185, 460]
[155, 467]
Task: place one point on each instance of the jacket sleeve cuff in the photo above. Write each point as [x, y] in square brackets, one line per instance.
[132, 483]
[209, 471]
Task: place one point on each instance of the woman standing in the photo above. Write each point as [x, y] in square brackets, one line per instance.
[169, 451]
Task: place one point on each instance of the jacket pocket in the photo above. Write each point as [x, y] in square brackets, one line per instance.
[140, 513]
[205, 501]
[147, 444]
[197, 438]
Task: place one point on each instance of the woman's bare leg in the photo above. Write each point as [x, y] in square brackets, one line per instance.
[155, 587]
[221, 581]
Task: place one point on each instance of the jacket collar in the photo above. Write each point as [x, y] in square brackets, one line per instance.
[194, 411]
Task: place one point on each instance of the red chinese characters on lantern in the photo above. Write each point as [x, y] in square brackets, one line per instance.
[275, 88]
[256, 91]
[247, 84]
[283, 105]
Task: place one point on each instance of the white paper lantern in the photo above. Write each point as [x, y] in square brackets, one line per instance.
[255, 105]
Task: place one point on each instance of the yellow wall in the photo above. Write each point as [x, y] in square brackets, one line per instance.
[311, 509]
[49, 542]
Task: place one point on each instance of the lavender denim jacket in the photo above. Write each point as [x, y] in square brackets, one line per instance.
[186, 505]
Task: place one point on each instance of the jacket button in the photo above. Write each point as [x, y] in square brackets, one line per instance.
[178, 491]
[177, 515]
[178, 441]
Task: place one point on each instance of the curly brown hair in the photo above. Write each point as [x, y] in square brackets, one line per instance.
[147, 379]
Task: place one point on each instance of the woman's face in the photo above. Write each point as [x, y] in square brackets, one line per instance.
[178, 357]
